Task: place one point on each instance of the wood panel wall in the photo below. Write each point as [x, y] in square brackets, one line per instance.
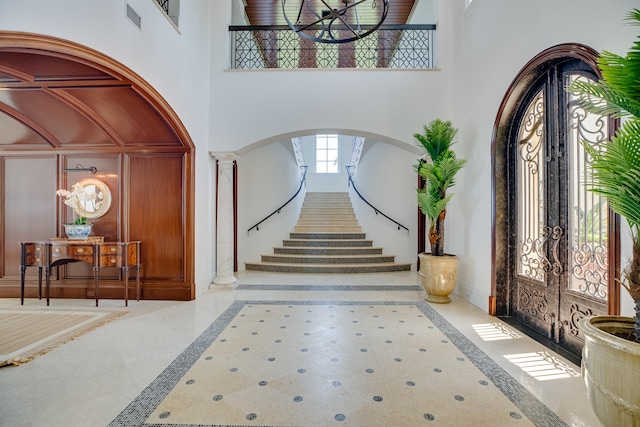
[148, 204]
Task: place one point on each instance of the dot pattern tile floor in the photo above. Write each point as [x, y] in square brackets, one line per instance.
[314, 363]
[129, 372]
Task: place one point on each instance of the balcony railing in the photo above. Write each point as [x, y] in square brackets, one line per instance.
[278, 46]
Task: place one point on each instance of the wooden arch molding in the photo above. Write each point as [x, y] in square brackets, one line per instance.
[62, 94]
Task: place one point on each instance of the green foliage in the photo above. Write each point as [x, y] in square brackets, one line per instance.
[439, 172]
[616, 166]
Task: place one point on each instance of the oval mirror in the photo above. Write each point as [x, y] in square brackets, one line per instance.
[98, 205]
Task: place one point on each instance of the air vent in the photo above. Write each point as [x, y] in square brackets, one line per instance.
[134, 17]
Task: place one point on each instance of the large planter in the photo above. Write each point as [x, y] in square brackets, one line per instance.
[611, 370]
[439, 275]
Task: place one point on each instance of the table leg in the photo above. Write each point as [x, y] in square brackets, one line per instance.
[39, 283]
[23, 269]
[96, 273]
[138, 282]
[47, 279]
[126, 286]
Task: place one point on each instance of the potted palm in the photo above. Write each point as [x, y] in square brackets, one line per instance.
[438, 167]
[611, 355]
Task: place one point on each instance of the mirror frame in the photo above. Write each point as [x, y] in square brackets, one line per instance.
[106, 199]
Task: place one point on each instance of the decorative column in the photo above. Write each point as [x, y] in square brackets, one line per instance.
[224, 225]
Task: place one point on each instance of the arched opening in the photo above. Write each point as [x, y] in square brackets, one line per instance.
[555, 245]
[62, 105]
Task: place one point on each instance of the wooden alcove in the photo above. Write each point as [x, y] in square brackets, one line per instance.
[63, 105]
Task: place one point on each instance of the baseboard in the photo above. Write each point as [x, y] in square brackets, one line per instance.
[471, 295]
[202, 285]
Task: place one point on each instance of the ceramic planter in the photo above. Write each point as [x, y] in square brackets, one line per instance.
[611, 370]
[439, 275]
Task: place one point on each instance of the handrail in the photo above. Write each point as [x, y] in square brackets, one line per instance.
[376, 210]
[302, 181]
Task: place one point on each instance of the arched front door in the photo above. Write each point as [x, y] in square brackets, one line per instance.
[558, 239]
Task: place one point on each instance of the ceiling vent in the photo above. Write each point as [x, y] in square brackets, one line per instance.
[134, 17]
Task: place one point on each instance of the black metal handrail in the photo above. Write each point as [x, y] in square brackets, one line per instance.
[277, 211]
[376, 210]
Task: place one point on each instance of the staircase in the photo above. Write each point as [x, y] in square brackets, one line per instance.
[327, 239]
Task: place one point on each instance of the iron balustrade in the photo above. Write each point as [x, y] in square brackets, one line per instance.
[278, 46]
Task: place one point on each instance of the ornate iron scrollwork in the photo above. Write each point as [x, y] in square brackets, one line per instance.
[575, 316]
[534, 254]
[534, 302]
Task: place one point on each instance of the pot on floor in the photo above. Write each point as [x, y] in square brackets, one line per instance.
[438, 276]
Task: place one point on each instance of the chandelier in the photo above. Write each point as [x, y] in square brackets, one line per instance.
[334, 21]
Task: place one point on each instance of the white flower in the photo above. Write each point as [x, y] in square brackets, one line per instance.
[81, 198]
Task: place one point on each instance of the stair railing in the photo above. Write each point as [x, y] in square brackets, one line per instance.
[277, 211]
[376, 210]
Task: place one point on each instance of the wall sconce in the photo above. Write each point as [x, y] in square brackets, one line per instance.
[80, 168]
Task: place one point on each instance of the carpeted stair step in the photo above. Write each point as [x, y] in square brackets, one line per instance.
[338, 250]
[327, 242]
[326, 235]
[328, 268]
[327, 259]
[327, 229]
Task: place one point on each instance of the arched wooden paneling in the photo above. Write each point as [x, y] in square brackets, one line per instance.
[62, 104]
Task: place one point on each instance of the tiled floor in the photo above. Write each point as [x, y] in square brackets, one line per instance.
[283, 350]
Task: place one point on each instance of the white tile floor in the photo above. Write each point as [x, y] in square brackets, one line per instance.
[91, 380]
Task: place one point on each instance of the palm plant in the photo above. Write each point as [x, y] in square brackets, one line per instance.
[439, 174]
[616, 167]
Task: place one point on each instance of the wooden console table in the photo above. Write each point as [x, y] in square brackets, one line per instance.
[98, 254]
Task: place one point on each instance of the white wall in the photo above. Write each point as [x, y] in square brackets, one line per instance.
[491, 45]
[252, 105]
[175, 63]
[386, 179]
[267, 177]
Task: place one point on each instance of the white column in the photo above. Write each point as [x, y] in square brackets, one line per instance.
[224, 227]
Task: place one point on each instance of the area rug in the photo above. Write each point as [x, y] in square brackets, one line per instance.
[344, 363]
[28, 333]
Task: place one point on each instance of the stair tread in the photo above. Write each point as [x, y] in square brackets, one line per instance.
[327, 265]
[329, 247]
[328, 256]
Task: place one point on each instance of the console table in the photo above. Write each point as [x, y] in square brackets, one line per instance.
[98, 254]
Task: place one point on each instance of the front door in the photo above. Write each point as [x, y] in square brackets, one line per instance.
[558, 230]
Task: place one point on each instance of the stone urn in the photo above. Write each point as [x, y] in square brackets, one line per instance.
[438, 276]
[611, 369]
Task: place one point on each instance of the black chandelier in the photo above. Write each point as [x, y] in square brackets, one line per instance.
[335, 21]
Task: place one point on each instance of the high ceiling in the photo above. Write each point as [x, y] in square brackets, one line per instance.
[269, 12]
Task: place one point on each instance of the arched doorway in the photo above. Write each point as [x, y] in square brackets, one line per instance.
[64, 105]
[556, 245]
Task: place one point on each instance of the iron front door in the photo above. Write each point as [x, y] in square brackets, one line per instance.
[559, 230]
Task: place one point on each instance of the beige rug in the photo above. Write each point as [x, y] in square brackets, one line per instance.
[27, 333]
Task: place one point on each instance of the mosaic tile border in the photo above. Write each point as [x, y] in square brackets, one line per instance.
[139, 410]
[327, 288]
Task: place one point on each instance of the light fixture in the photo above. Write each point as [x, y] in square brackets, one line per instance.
[334, 21]
[80, 168]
